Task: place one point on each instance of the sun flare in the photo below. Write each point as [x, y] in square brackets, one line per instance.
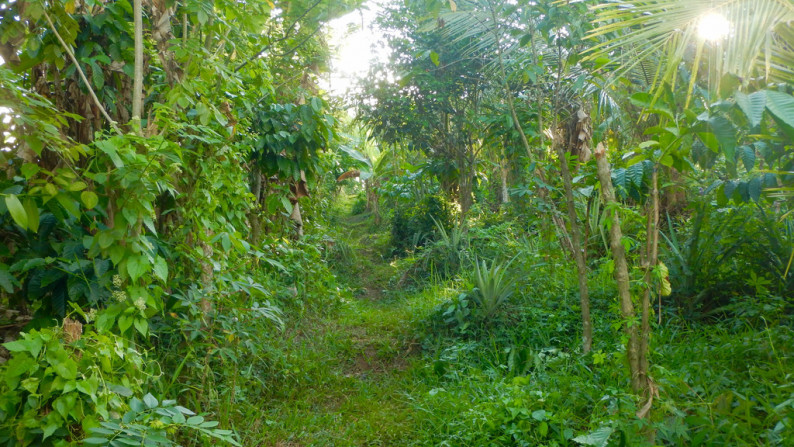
[713, 27]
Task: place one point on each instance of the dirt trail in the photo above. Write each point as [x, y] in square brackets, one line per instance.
[356, 365]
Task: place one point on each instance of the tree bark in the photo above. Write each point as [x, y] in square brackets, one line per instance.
[621, 270]
[577, 251]
[297, 219]
[162, 33]
[370, 188]
[651, 257]
[465, 175]
[504, 191]
[137, 85]
[207, 273]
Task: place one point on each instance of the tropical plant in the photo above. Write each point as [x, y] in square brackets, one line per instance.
[494, 285]
[750, 39]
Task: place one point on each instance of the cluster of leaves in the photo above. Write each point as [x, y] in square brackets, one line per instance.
[415, 224]
[53, 391]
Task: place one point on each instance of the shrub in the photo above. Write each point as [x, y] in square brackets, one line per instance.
[359, 205]
[415, 225]
[494, 287]
[62, 385]
[53, 391]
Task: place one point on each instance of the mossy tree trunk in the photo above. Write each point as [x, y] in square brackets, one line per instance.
[638, 381]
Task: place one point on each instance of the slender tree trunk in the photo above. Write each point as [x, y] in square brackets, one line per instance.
[577, 251]
[370, 187]
[207, 273]
[162, 33]
[254, 218]
[464, 181]
[621, 269]
[297, 219]
[504, 191]
[137, 83]
[651, 258]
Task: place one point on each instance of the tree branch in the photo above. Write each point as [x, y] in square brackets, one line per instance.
[82, 75]
[286, 35]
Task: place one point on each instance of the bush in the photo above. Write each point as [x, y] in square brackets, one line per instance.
[53, 391]
[359, 205]
[415, 225]
[62, 385]
[720, 253]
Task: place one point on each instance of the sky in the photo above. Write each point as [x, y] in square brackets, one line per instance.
[354, 42]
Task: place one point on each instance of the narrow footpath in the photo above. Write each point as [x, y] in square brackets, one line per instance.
[356, 369]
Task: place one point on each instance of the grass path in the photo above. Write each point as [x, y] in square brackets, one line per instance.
[356, 369]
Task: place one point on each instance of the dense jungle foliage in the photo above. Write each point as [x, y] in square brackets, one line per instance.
[546, 223]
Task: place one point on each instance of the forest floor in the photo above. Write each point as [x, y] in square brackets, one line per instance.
[355, 373]
[359, 365]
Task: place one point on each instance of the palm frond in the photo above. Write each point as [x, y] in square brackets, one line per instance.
[760, 42]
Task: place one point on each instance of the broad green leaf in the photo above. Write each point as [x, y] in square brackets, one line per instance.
[195, 420]
[150, 401]
[754, 189]
[781, 106]
[68, 204]
[125, 322]
[51, 426]
[17, 211]
[31, 384]
[747, 155]
[434, 58]
[136, 405]
[51, 189]
[137, 266]
[89, 199]
[20, 366]
[597, 438]
[66, 368]
[109, 148]
[219, 117]
[752, 105]
[317, 104]
[141, 325]
[106, 239]
[88, 387]
[726, 135]
[77, 186]
[64, 404]
[29, 170]
[7, 281]
[539, 415]
[32, 345]
[287, 204]
[161, 268]
[32, 210]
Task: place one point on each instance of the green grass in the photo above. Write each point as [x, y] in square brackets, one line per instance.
[379, 369]
[352, 373]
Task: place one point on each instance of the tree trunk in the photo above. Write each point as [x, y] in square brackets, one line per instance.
[297, 219]
[255, 220]
[464, 182]
[577, 251]
[163, 34]
[207, 273]
[370, 188]
[621, 270]
[504, 192]
[137, 86]
[651, 258]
